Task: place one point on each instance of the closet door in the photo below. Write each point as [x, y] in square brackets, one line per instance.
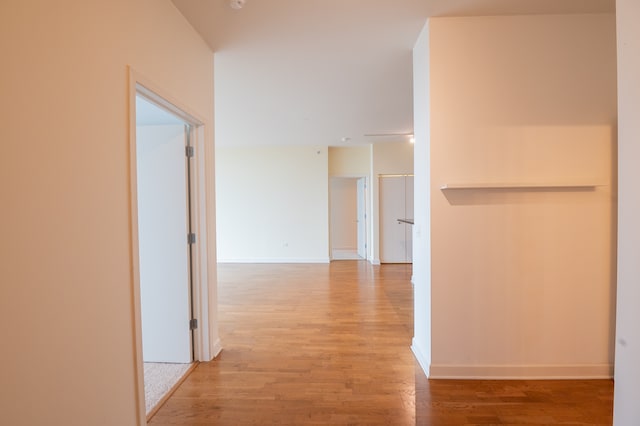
[408, 214]
[361, 203]
[392, 207]
[396, 202]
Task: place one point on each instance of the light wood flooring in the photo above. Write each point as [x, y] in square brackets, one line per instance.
[329, 345]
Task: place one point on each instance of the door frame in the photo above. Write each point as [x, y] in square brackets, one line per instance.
[367, 215]
[203, 270]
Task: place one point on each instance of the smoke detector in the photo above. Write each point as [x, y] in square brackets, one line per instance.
[237, 4]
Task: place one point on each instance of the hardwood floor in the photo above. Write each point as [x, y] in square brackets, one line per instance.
[329, 344]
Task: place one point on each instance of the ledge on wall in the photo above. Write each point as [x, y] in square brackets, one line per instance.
[275, 260]
[522, 186]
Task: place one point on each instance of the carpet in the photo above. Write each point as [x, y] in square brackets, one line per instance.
[159, 378]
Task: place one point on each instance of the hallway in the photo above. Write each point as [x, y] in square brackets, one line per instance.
[330, 344]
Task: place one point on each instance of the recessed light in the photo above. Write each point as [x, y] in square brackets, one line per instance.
[237, 4]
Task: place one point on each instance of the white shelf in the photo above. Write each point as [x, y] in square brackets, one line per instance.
[524, 186]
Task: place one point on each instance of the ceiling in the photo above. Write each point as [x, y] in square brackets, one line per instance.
[328, 72]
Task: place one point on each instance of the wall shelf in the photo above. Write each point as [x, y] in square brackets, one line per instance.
[523, 186]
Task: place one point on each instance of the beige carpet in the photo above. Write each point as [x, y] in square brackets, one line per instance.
[159, 378]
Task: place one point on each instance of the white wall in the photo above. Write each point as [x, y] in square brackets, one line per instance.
[353, 161]
[522, 281]
[273, 204]
[65, 254]
[627, 371]
[386, 158]
[250, 178]
[421, 344]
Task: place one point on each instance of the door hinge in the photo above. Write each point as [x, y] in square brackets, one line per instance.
[189, 151]
[191, 238]
[193, 324]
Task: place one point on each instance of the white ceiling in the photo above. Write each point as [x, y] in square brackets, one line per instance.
[317, 71]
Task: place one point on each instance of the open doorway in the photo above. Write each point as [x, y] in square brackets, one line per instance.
[169, 244]
[164, 230]
[348, 218]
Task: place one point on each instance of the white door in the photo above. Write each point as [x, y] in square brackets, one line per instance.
[163, 217]
[408, 214]
[362, 218]
[396, 202]
[392, 208]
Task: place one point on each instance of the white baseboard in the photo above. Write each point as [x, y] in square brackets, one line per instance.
[375, 261]
[276, 260]
[217, 348]
[345, 254]
[422, 360]
[521, 372]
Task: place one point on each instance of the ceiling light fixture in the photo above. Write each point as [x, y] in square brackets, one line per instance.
[237, 4]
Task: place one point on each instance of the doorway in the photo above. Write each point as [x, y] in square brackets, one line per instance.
[164, 213]
[348, 218]
[164, 231]
[171, 289]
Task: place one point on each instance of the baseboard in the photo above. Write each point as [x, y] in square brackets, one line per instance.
[345, 249]
[217, 348]
[345, 254]
[521, 372]
[276, 260]
[375, 262]
[422, 360]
